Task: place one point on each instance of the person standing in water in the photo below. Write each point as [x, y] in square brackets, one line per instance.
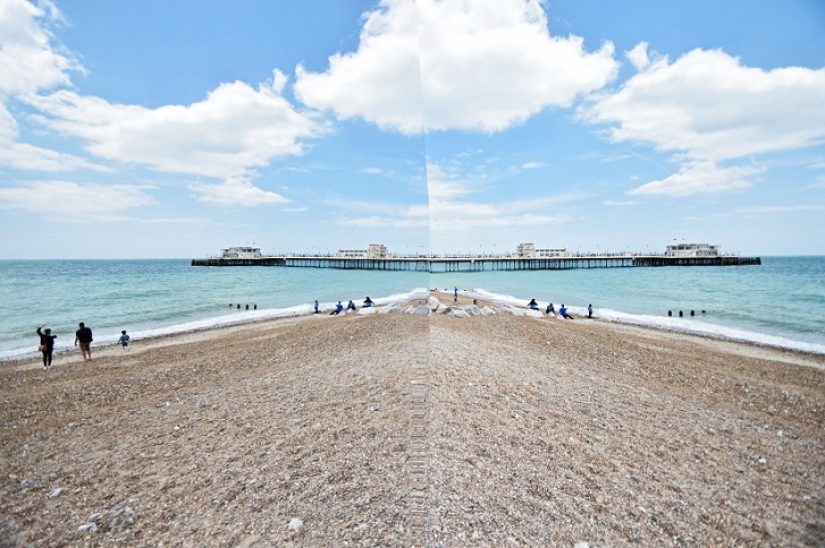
[46, 346]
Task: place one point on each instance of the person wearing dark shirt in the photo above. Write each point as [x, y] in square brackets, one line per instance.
[46, 346]
[84, 337]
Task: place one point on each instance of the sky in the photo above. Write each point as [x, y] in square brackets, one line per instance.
[160, 129]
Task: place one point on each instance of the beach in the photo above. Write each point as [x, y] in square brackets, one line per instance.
[405, 429]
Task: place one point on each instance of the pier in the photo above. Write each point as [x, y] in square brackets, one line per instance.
[436, 264]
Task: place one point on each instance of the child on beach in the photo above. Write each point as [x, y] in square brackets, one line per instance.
[533, 305]
[550, 310]
[124, 339]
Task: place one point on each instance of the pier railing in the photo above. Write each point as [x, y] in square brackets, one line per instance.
[480, 263]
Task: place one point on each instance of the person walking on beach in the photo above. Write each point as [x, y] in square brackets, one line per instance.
[84, 337]
[316, 306]
[550, 310]
[563, 313]
[124, 339]
[590, 311]
[46, 346]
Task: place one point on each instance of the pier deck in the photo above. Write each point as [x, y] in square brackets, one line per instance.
[480, 264]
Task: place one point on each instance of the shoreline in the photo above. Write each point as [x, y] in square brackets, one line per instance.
[743, 347]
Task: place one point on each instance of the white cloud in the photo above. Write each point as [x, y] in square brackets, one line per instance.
[705, 108]
[533, 165]
[72, 201]
[450, 64]
[28, 61]
[451, 210]
[619, 203]
[236, 128]
[700, 177]
[708, 106]
[29, 157]
[385, 222]
[236, 191]
[758, 210]
[638, 56]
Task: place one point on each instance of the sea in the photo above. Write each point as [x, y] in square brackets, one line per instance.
[780, 303]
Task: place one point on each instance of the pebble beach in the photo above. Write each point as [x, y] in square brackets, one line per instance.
[437, 423]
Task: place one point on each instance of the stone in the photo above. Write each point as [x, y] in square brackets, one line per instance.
[295, 524]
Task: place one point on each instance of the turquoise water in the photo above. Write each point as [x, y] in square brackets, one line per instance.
[781, 302]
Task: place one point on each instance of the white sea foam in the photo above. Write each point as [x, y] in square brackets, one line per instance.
[681, 325]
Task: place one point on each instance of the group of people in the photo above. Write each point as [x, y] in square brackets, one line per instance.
[340, 307]
[82, 338]
[563, 312]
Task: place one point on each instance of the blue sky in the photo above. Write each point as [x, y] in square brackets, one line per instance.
[172, 129]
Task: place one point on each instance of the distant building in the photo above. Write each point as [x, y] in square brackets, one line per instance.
[529, 251]
[241, 253]
[693, 250]
[374, 251]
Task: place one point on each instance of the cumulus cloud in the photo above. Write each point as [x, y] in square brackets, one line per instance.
[236, 128]
[31, 63]
[638, 56]
[235, 191]
[430, 65]
[71, 200]
[28, 61]
[707, 108]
